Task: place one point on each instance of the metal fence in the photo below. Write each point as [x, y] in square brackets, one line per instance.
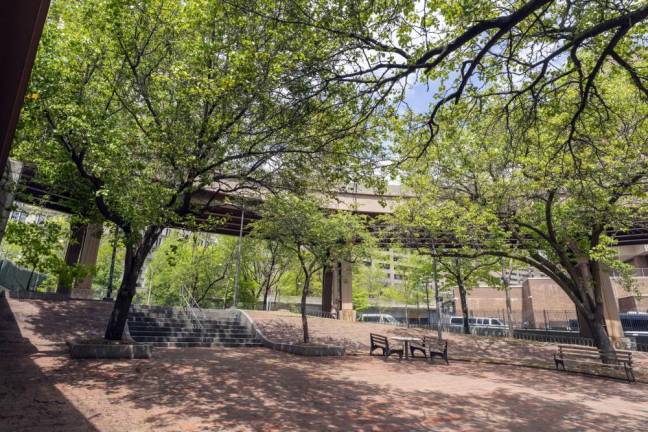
[552, 336]
[314, 310]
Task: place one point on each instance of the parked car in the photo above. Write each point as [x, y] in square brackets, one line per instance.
[379, 318]
[478, 322]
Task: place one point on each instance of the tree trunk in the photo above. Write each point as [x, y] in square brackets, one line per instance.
[303, 306]
[464, 307]
[31, 276]
[266, 292]
[595, 322]
[132, 267]
[592, 308]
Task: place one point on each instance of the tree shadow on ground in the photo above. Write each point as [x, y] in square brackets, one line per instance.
[257, 389]
[55, 322]
[355, 338]
[29, 400]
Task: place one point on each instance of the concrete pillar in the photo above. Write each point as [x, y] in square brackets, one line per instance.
[77, 233]
[89, 238]
[327, 289]
[611, 309]
[528, 313]
[346, 293]
[8, 183]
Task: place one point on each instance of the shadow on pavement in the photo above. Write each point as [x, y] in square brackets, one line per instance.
[29, 400]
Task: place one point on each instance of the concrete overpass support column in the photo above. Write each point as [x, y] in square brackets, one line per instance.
[611, 310]
[72, 256]
[346, 293]
[88, 257]
[327, 289]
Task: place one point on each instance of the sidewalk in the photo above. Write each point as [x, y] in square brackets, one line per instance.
[354, 336]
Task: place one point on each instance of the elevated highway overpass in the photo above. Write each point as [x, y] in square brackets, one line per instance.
[231, 212]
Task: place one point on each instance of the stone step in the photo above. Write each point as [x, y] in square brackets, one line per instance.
[182, 321]
[134, 332]
[180, 315]
[148, 327]
[204, 344]
[192, 339]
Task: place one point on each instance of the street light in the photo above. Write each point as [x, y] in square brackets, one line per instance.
[238, 260]
[111, 272]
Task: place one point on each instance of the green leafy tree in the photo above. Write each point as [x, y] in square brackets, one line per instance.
[161, 100]
[203, 268]
[467, 273]
[535, 199]
[521, 51]
[317, 239]
[369, 285]
[40, 249]
[264, 263]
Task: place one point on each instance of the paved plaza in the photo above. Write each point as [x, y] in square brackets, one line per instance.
[256, 389]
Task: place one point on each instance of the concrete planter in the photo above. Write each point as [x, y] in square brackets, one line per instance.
[309, 350]
[107, 350]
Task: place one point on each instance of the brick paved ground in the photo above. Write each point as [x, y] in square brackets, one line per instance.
[286, 327]
[41, 389]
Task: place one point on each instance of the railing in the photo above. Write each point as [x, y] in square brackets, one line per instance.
[313, 310]
[191, 307]
[552, 337]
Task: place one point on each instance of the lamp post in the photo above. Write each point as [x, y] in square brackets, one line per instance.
[506, 280]
[111, 272]
[436, 292]
[237, 275]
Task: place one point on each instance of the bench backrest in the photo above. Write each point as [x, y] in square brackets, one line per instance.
[595, 353]
[432, 341]
[378, 340]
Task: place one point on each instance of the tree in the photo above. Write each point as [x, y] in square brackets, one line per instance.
[529, 49]
[197, 263]
[264, 263]
[529, 197]
[317, 239]
[465, 274]
[40, 249]
[161, 100]
[369, 284]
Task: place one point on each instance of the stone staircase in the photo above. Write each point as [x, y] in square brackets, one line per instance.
[172, 327]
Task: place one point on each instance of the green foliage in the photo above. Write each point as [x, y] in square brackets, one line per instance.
[203, 268]
[102, 268]
[41, 250]
[520, 192]
[316, 238]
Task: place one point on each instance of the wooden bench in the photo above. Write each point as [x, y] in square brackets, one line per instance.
[381, 342]
[432, 347]
[594, 357]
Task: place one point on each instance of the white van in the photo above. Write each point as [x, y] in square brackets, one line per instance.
[379, 318]
[478, 322]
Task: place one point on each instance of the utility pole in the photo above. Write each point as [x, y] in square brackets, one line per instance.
[506, 281]
[237, 275]
[436, 293]
[427, 301]
[111, 272]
